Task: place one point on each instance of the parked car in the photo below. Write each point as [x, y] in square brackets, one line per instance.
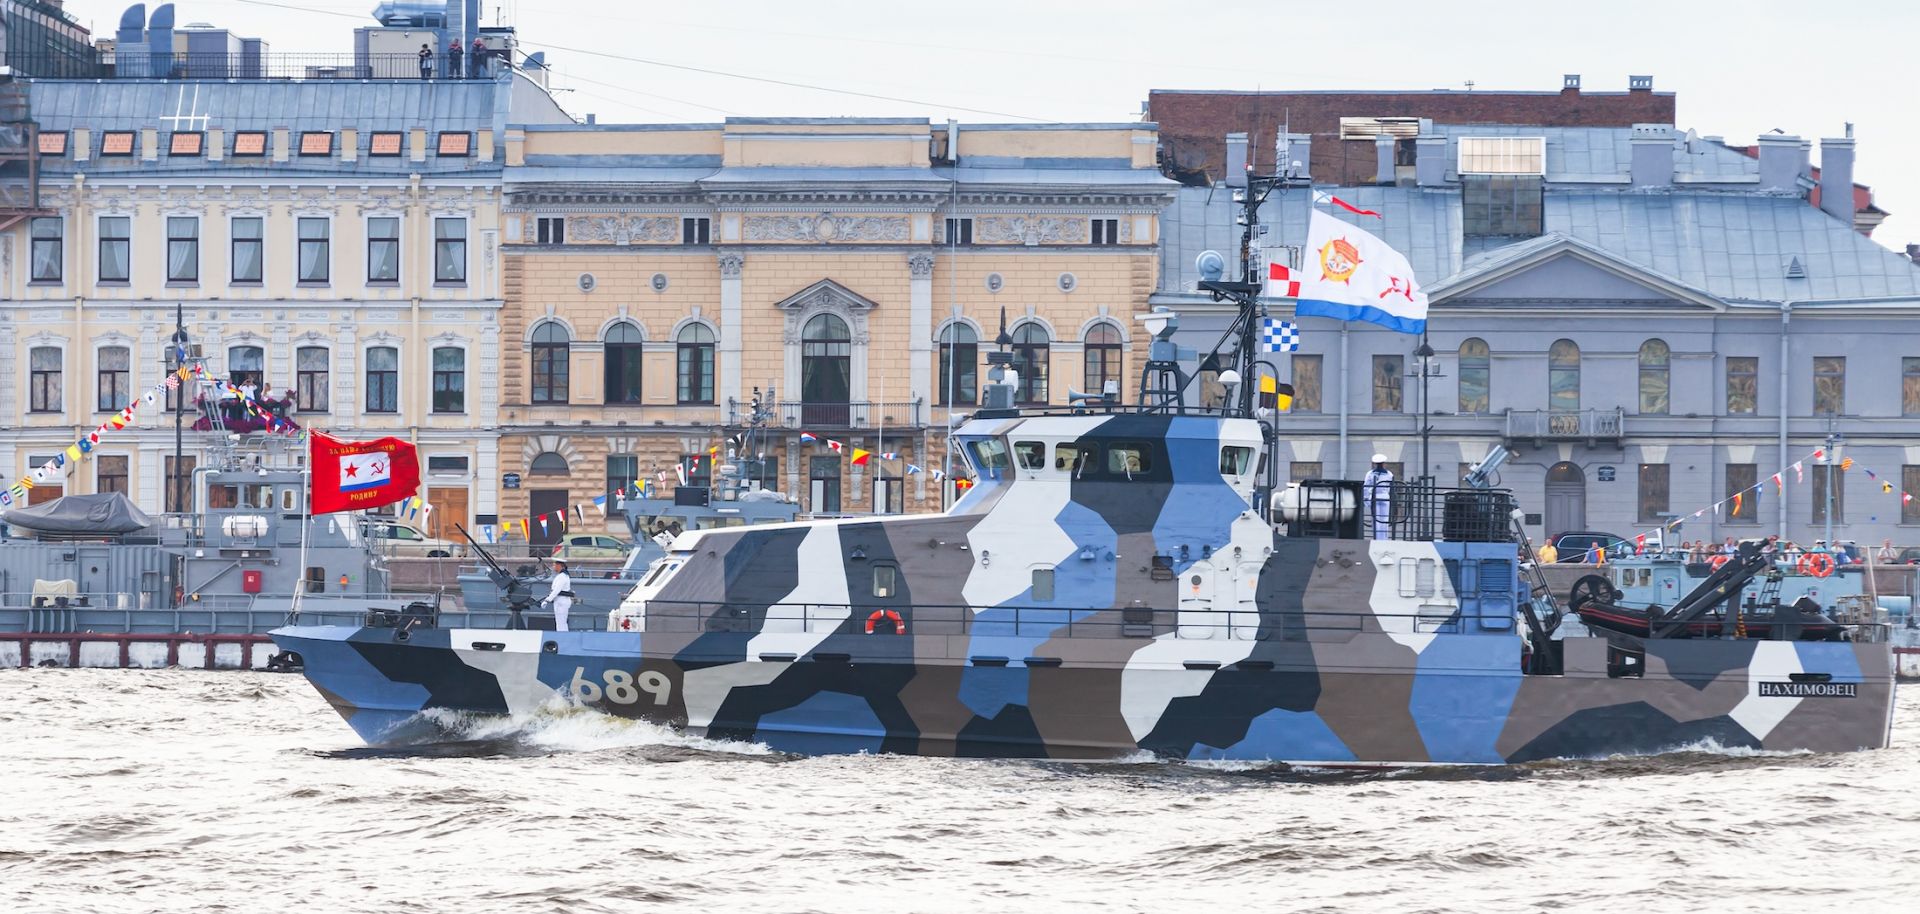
[1573, 545]
[1909, 556]
[398, 538]
[592, 546]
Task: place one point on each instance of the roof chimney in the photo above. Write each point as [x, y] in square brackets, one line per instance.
[1570, 84]
[1236, 175]
[1639, 84]
[1383, 158]
[1652, 155]
[1298, 147]
[1913, 252]
[1836, 177]
[1430, 161]
[1779, 161]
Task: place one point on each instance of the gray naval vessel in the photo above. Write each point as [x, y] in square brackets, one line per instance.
[1126, 579]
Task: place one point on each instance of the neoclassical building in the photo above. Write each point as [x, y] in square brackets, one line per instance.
[847, 271]
[336, 240]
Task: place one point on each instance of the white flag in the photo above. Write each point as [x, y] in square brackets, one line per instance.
[1351, 275]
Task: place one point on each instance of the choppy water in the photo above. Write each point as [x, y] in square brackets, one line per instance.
[128, 791]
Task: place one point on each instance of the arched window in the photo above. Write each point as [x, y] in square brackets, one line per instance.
[548, 464]
[114, 387]
[1102, 358]
[695, 352]
[826, 370]
[1476, 377]
[959, 352]
[622, 344]
[1031, 347]
[551, 365]
[1563, 375]
[1655, 386]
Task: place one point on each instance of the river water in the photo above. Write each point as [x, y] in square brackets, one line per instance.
[132, 791]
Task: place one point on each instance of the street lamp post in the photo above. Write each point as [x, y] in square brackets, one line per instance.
[1425, 354]
[178, 360]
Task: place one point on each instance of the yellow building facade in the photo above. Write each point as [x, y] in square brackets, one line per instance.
[850, 274]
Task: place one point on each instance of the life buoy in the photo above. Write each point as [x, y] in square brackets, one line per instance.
[1817, 564]
[1717, 561]
[899, 626]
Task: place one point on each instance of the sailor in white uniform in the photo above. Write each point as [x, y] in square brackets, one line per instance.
[1377, 492]
[559, 595]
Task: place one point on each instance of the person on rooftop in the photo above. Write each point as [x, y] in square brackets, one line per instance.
[426, 61]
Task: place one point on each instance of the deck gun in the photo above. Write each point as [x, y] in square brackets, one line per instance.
[515, 590]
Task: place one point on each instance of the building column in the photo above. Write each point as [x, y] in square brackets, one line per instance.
[728, 352]
[920, 327]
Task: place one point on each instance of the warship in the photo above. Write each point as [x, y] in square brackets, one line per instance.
[1133, 578]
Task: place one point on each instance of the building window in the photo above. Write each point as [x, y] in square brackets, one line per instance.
[315, 249]
[549, 463]
[44, 380]
[1388, 371]
[454, 143]
[1476, 376]
[1829, 385]
[113, 381]
[1102, 358]
[1656, 360]
[1504, 205]
[695, 230]
[249, 143]
[551, 362]
[1910, 387]
[622, 470]
[183, 249]
[1743, 385]
[186, 143]
[1818, 494]
[1306, 383]
[450, 250]
[249, 251]
[552, 229]
[383, 249]
[622, 345]
[1563, 376]
[1910, 482]
[1741, 478]
[959, 366]
[245, 363]
[823, 484]
[1654, 478]
[1303, 470]
[53, 143]
[316, 143]
[449, 379]
[826, 370]
[116, 143]
[1106, 231]
[1503, 155]
[383, 380]
[110, 473]
[960, 231]
[180, 483]
[310, 379]
[1032, 358]
[384, 144]
[48, 248]
[694, 352]
[116, 248]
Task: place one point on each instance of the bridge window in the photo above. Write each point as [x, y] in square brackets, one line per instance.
[1129, 460]
[989, 456]
[1236, 460]
[1031, 454]
[884, 582]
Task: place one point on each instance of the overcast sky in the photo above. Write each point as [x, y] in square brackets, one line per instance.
[1739, 69]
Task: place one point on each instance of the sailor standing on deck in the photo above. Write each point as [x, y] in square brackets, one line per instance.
[1377, 492]
[559, 595]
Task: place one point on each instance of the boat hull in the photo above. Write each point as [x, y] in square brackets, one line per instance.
[1461, 700]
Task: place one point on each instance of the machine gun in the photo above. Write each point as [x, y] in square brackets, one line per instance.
[515, 590]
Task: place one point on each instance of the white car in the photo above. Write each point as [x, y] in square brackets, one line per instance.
[396, 538]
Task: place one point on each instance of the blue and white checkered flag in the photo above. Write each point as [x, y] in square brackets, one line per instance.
[1277, 335]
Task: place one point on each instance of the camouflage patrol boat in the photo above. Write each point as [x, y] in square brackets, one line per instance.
[1123, 579]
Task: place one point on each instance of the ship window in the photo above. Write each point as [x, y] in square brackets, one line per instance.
[1075, 457]
[1235, 460]
[1032, 454]
[883, 580]
[1128, 460]
[990, 455]
[287, 497]
[1043, 585]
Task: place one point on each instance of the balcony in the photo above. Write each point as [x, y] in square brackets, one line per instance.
[1543, 425]
[798, 415]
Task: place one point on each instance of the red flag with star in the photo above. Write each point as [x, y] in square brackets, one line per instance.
[353, 475]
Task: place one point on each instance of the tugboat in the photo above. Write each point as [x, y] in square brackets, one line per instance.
[1123, 579]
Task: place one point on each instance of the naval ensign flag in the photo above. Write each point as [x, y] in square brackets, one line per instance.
[1350, 275]
[351, 475]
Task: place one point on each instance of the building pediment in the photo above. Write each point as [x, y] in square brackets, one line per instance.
[1562, 268]
[829, 295]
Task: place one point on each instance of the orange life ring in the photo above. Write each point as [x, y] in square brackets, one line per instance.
[899, 626]
[1717, 561]
[1817, 564]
